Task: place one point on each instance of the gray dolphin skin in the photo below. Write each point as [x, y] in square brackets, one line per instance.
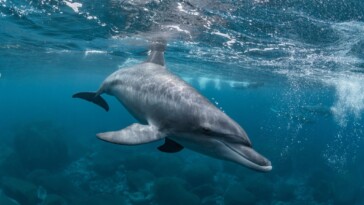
[170, 109]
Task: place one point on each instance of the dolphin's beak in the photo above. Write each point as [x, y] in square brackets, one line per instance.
[250, 158]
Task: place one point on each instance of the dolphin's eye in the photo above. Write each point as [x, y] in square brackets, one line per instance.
[207, 131]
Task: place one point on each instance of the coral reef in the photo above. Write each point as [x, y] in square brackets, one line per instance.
[237, 194]
[101, 199]
[198, 174]
[140, 180]
[40, 145]
[346, 189]
[320, 184]
[140, 161]
[22, 191]
[53, 199]
[285, 191]
[171, 190]
[260, 185]
[167, 165]
[5, 200]
[37, 168]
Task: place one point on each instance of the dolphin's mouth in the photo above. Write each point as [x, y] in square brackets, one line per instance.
[251, 158]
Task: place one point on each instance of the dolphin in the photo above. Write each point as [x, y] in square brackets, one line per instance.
[168, 108]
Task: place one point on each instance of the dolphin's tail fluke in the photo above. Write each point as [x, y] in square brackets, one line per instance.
[94, 98]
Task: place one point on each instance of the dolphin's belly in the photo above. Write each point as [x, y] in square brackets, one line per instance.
[154, 95]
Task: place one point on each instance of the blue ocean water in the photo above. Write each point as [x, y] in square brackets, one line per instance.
[290, 72]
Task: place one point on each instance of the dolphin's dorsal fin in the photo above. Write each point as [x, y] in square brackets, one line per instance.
[156, 55]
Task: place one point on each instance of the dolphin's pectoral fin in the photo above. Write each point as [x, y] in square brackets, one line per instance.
[92, 97]
[170, 146]
[133, 135]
